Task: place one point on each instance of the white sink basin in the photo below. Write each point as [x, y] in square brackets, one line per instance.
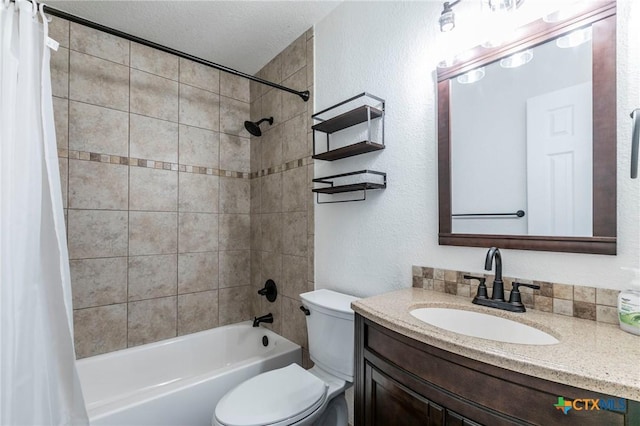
[477, 324]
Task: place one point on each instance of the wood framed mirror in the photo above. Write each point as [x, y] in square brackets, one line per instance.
[551, 195]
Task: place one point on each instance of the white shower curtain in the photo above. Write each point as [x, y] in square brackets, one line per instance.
[38, 379]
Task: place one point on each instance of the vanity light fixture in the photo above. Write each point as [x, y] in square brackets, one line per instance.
[471, 76]
[447, 17]
[493, 42]
[499, 22]
[503, 5]
[574, 38]
[445, 63]
[517, 59]
[451, 59]
[568, 10]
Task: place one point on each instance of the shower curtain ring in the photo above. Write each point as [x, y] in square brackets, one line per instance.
[45, 18]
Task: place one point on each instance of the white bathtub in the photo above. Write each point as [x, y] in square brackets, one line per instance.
[180, 380]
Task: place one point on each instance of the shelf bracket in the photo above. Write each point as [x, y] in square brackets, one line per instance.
[345, 188]
[364, 197]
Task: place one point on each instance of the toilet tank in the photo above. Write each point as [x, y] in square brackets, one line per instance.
[331, 331]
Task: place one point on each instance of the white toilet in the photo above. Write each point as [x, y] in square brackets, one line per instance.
[293, 395]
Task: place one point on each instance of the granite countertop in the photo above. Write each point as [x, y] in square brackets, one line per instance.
[591, 355]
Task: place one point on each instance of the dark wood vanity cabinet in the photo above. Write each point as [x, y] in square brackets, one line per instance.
[389, 402]
[400, 381]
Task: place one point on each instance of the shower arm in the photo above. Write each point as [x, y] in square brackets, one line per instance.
[270, 120]
[94, 25]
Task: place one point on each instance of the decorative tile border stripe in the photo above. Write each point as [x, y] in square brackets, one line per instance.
[151, 164]
[590, 303]
[283, 167]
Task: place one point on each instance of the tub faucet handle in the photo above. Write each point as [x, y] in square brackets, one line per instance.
[270, 290]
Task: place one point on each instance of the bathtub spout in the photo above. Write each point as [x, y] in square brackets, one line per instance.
[265, 318]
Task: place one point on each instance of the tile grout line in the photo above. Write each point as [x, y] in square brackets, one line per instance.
[158, 211]
[260, 250]
[68, 163]
[219, 209]
[110, 108]
[153, 73]
[178, 210]
[128, 200]
[68, 126]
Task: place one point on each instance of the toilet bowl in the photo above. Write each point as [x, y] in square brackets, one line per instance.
[287, 396]
[293, 395]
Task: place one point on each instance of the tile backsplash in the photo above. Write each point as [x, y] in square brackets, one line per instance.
[596, 304]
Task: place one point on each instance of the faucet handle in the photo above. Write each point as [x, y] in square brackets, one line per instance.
[482, 288]
[270, 290]
[471, 277]
[514, 297]
[516, 285]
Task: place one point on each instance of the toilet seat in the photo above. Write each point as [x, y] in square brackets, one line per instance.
[278, 397]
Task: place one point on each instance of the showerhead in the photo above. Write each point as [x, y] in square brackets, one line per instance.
[254, 127]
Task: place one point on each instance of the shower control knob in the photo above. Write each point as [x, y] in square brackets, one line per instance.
[270, 291]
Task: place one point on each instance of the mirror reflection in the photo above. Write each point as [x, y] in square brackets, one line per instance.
[521, 142]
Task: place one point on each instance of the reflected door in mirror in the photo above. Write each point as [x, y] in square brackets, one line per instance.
[511, 126]
[559, 162]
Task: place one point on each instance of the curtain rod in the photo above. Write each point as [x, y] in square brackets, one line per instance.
[78, 20]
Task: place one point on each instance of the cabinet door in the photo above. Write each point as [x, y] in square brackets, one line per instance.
[455, 419]
[389, 403]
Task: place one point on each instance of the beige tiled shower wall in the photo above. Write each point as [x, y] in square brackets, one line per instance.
[281, 200]
[155, 166]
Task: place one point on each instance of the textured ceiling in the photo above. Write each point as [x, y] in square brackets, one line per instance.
[243, 35]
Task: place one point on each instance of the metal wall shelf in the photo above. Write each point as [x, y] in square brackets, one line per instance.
[349, 151]
[363, 186]
[347, 119]
[358, 115]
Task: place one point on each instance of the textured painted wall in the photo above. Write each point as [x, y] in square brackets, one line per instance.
[391, 49]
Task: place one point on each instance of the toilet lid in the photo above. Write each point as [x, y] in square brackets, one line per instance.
[286, 394]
